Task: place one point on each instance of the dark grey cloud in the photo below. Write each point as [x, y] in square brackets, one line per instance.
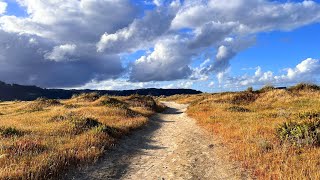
[138, 35]
[22, 60]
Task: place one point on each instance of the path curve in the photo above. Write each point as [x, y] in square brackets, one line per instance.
[171, 146]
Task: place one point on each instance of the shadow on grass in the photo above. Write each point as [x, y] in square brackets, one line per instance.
[116, 161]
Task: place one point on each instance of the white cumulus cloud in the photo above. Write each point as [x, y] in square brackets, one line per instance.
[3, 7]
[61, 53]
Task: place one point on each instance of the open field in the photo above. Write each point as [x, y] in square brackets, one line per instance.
[273, 133]
[40, 139]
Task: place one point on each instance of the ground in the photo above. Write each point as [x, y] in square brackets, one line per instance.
[171, 146]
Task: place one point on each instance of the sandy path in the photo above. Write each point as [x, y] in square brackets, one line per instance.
[172, 146]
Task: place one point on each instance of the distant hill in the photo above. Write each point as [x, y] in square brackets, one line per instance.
[19, 92]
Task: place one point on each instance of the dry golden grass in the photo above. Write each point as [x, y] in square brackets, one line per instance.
[247, 123]
[41, 138]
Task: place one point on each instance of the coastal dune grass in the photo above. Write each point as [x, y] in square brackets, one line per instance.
[40, 139]
[275, 134]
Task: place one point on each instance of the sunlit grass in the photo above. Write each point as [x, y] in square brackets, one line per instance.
[41, 138]
[248, 123]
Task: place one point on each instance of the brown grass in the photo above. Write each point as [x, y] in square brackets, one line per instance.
[41, 138]
[247, 123]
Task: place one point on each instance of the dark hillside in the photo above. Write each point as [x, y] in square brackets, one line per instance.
[19, 92]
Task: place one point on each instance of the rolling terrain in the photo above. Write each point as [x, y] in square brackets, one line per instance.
[273, 133]
[41, 139]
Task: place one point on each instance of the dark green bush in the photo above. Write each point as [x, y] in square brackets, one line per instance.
[300, 134]
[10, 131]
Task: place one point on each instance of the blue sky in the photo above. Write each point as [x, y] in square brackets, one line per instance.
[156, 43]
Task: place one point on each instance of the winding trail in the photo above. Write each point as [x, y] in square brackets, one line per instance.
[171, 146]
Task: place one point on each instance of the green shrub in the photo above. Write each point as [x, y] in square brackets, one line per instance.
[309, 115]
[300, 134]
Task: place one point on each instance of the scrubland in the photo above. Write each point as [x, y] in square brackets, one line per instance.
[41, 139]
[275, 134]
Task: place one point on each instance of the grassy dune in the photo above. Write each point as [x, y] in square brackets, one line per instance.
[273, 133]
[40, 139]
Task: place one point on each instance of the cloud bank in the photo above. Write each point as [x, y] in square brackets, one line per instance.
[72, 43]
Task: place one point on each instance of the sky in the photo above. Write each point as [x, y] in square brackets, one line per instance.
[208, 45]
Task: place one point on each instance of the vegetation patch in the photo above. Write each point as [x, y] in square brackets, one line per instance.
[238, 109]
[111, 131]
[244, 98]
[10, 132]
[146, 102]
[39, 104]
[304, 86]
[264, 140]
[266, 89]
[86, 97]
[141, 101]
[81, 124]
[300, 134]
[75, 131]
[310, 115]
[112, 102]
[26, 146]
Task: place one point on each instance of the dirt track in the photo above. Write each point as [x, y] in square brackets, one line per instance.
[172, 146]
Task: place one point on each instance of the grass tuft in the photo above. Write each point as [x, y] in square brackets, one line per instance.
[238, 109]
[10, 132]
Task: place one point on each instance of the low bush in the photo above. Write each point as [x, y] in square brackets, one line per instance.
[112, 102]
[238, 109]
[111, 131]
[309, 115]
[86, 97]
[304, 86]
[244, 98]
[266, 89]
[10, 131]
[81, 124]
[39, 104]
[300, 134]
